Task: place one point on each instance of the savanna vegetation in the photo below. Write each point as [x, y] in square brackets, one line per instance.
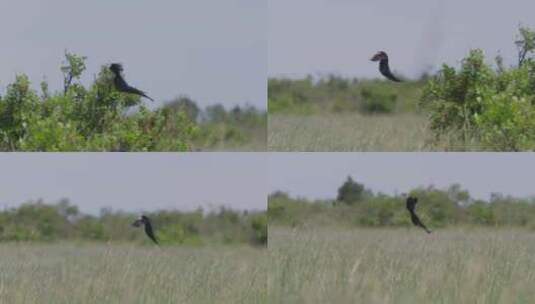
[397, 265]
[42, 222]
[361, 246]
[69, 272]
[357, 206]
[98, 118]
[481, 106]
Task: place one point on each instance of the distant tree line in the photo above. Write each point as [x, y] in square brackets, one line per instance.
[235, 126]
[355, 205]
[336, 94]
[38, 221]
[98, 118]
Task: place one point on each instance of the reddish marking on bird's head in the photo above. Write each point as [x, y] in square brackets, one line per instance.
[379, 56]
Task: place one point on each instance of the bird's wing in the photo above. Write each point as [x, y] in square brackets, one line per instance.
[133, 90]
[122, 86]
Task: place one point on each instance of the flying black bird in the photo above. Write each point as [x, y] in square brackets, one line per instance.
[382, 57]
[411, 204]
[120, 83]
[143, 220]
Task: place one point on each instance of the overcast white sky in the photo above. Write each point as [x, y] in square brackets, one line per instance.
[213, 51]
[340, 36]
[318, 175]
[136, 181]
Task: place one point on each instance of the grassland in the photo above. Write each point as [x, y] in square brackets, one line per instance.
[348, 132]
[331, 265]
[100, 273]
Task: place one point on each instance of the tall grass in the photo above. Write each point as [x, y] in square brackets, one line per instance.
[348, 132]
[95, 273]
[330, 265]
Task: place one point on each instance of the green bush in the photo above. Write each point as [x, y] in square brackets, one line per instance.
[493, 108]
[98, 118]
[377, 101]
[335, 94]
[259, 224]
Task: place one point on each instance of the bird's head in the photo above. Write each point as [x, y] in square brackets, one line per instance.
[142, 220]
[117, 68]
[412, 200]
[379, 56]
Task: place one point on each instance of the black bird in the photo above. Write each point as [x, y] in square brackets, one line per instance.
[143, 220]
[382, 57]
[411, 204]
[120, 83]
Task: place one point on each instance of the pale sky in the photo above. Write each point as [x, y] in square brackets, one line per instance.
[319, 37]
[212, 51]
[136, 181]
[319, 175]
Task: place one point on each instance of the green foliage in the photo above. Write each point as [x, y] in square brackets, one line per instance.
[72, 69]
[493, 109]
[98, 118]
[377, 101]
[335, 94]
[37, 221]
[259, 223]
[350, 192]
[436, 207]
[525, 44]
[221, 128]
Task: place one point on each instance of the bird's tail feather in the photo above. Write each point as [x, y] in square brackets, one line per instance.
[146, 96]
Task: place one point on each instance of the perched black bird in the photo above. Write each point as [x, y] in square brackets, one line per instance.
[143, 220]
[382, 57]
[120, 83]
[411, 204]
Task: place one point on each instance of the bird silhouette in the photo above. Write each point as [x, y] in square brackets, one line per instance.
[411, 205]
[120, 83]
[382, 57]
[144, 220]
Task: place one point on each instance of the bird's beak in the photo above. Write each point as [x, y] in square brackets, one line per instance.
[137, 223]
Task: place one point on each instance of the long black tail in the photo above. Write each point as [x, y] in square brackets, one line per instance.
[384, 68]
[417, 222]
[425, 228]
[391, 76]
[133, 90]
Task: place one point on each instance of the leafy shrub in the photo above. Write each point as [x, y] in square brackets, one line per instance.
[495, 108]
[377, 101]
[260, 229]
[98, 118]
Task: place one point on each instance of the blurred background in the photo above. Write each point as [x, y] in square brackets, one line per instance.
[192, 199]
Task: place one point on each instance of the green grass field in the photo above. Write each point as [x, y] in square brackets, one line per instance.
[100, 273]
[330, 265]
[348, 132]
